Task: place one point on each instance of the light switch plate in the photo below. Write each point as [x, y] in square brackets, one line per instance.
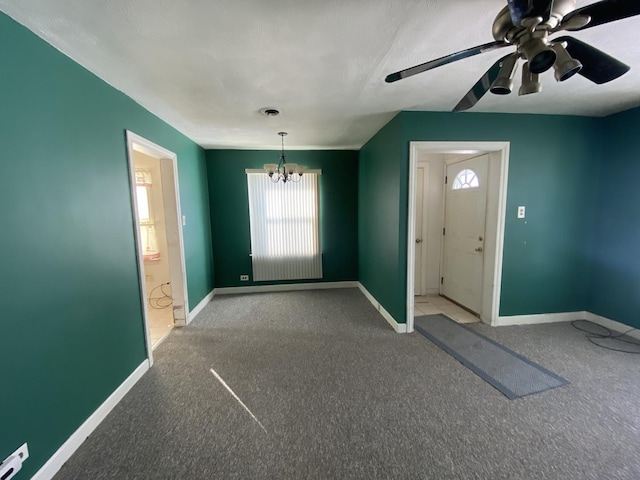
[521, 212]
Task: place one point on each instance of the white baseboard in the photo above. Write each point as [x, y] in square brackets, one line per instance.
[538, 318]
[611, 324]
[398, 327]
[566, 317]
[69, 447]
[198, 308]
[288, 287]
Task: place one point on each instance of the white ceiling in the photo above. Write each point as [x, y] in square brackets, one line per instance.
[207, 66]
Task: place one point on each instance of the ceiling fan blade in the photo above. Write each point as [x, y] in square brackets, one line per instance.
[597, 66]
[520, 9]
[481, 87]
[454, 57]
[605, 11]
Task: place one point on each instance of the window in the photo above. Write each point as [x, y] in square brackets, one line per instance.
[285, 240]
[146, 220]
[466, 179]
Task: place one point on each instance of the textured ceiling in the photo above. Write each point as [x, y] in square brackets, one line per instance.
[207, 66]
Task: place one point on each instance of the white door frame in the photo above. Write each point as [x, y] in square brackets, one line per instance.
[173, 220]
[423, 234]
[492, 282]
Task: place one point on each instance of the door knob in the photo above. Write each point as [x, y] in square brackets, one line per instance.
[478, 249]
[418, 240]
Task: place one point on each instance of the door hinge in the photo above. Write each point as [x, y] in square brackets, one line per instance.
[443, 230]
[446, 179]
[441, 280]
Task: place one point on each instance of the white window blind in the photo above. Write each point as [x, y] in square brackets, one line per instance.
[285, 239]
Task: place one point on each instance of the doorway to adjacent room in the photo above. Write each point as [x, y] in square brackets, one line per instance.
[158, 232]
[457, 202]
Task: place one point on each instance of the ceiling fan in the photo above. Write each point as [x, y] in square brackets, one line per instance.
[528, 25]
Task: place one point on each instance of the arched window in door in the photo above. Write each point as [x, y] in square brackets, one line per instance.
[467, 178]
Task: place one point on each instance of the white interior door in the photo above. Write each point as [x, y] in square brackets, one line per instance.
[419, 258]
[464, 231]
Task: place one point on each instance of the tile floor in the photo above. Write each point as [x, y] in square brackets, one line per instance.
[160, 323]
[434, 304]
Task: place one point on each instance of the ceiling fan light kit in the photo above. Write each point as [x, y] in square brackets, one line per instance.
[504, 83]
[527, 25]
[565, 66]
[530, 82]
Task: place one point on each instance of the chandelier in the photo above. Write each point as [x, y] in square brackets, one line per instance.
[287, 172]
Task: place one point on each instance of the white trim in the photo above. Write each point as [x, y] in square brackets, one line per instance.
[567, 317]
[68, 448]
[398, 327]
[139, 254]
[411, 235]
[175, 238]
[286, 287]
[424, 234]
[611, 324]
[148, 147]
[454, 147]
[501, 221]
[203, 303]
[538, 318]
[141, 144]
[317, 171]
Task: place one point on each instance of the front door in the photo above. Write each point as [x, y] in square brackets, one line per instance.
[464, 231]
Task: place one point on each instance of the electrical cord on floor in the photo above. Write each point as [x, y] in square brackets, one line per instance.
[607, 334]
[165, 301]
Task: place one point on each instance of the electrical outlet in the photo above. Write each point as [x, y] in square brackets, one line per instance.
[12, 465]
[22, 452]
[244, 278]
[521, 212]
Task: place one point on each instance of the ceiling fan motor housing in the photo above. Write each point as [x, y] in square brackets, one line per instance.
[531, 37]
[504, 30]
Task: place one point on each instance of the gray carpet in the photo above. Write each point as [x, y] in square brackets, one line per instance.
[512, 374]
[342, 396]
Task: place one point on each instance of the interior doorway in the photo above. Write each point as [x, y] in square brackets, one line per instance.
[158, 232]
[467, 266]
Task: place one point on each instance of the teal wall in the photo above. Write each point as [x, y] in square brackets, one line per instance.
[71, 321]
[379, 223]
[553, 171]
[230, 211]
[615, 286]
[71, 308]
